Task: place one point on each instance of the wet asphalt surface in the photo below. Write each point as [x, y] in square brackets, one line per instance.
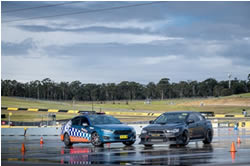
[53, 152]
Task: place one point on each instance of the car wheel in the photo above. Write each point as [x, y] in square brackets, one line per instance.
[128, 143]
[208, 137]
[95, 140]
[185, 138]
[148, 145]
[66, 140]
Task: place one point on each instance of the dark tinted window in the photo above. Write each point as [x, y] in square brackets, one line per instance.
[194, 117]
[200, 117]
[171, 118]
[76, 121]
[84, 120]
[103, 119]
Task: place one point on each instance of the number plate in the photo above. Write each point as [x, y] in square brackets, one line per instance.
[157, 140]
[123, 136]
[156, 135]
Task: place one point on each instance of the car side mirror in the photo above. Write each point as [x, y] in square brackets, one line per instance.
[190, 121]
[84, 124]
[151, 122]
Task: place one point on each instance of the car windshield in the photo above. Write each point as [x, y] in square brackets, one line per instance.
[103, 119]
[171, 118]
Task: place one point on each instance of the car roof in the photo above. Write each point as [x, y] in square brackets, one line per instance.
[180, 112]
[87, 115]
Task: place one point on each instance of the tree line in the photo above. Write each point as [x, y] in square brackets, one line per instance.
[125, 90]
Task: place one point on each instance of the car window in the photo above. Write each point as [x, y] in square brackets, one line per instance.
[171, 118]
[76, 121]
[84, 120]
[200, 117]
[195, 118]
[103, 119]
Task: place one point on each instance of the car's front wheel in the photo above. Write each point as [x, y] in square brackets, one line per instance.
[128, 143]
[208, 137]
[148, 145]
[66, 140]
[185, 138]
[95, 140]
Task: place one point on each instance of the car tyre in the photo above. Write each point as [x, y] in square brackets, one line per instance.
[185, 138]
[148, 145]
[208, 137]
[66, 140]
[95, 140]
[128, 143]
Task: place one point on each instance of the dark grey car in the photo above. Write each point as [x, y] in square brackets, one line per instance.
[177, 128]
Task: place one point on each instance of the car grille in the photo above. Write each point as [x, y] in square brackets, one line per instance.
[122, 132]
[156, 132]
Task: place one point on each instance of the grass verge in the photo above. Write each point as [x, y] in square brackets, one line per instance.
[223, 105]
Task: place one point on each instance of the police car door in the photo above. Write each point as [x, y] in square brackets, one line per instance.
[75, 131]
[85, 129]
[78, 132]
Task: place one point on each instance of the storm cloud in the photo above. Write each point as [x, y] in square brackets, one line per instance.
[177, 40]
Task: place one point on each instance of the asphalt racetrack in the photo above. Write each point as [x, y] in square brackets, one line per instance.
[53, 152]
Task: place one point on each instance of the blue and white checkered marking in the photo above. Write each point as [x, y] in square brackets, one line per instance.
[66, 127]
[78, 133]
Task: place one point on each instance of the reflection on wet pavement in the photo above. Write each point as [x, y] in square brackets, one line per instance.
[54, 152]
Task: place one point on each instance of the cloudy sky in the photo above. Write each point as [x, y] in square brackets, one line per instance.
[177, 40]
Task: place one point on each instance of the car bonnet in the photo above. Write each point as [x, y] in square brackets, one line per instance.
[163, 126]
[114, 126]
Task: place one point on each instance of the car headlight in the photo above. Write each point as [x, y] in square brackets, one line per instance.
[144, 131]
[133, 130]
[107, 131]
[172, 130]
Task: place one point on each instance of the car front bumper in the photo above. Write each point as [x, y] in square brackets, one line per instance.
[166, 138]
[108, 138]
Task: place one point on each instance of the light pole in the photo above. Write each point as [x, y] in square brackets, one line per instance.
[92, 106]
[47, 120]
[9, 117]
[229, 80]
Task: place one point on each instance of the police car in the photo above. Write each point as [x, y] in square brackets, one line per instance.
[96, 129]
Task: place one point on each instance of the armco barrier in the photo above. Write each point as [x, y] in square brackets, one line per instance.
[228, 116]
[79, 111]
[207, 114]
[40, 110]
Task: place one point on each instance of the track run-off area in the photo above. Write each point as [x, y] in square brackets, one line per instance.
[54, 152]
